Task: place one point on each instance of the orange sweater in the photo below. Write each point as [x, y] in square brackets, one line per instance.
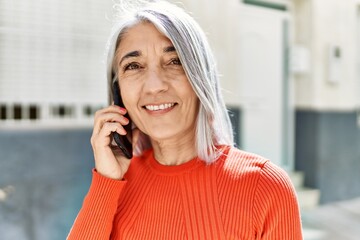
[240, 196]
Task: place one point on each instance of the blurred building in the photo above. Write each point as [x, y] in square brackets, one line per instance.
[286, 66]
[290, 71]
[51, 61]
[52, 79]
[327, 94]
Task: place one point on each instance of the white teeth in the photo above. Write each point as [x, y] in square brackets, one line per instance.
[159, 107]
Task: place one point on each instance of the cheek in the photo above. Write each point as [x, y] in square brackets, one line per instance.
[193, 109]
[195, 105]
[188, 93]
[191, 106]
[128, 96]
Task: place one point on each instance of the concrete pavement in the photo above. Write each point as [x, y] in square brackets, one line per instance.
[335, 221]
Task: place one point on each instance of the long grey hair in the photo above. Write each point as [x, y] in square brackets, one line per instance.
[213, 124]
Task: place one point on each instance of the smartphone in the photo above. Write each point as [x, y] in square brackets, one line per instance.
[123, 142]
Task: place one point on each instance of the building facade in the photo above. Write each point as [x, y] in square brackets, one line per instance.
[290, 72]
[327, 96]
[51, 62]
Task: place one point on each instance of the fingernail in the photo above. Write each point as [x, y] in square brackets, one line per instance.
[122, 109]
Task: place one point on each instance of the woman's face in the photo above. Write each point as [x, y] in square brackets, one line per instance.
[153, 84]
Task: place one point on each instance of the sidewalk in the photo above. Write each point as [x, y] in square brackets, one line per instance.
[336, 221]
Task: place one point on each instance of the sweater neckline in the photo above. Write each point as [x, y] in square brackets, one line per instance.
[173, 169]
[170, 170]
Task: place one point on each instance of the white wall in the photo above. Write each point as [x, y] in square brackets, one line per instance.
[320, 24]
[52, 50]
[51, 55]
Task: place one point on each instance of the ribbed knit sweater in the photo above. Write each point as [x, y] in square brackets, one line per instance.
[240, 196]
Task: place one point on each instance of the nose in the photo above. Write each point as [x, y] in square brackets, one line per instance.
[155, 81]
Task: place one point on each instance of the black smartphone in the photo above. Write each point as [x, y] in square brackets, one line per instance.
[123, 142]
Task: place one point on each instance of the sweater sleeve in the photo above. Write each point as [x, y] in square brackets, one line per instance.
[276, 210]
[94, 221]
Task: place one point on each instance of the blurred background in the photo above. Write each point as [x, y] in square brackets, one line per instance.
[290, 72]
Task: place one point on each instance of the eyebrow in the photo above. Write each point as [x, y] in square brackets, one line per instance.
[169, 49]
[131, 54]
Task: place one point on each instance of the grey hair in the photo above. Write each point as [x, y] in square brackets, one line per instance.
[213, 123]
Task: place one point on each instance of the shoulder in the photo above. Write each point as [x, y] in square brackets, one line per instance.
[251, 185]
[272, 174]
[237, 163]
[261, 172]
[274, 186]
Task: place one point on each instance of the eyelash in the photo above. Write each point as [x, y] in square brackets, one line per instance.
[130, 65]
[133, 65]
[177, 60]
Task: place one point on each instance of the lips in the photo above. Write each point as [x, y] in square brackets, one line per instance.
[159, 107]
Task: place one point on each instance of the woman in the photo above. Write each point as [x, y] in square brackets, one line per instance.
[186, 181]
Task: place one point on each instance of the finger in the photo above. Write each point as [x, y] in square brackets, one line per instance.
[112, 117]
[104, 137]
[110, 127]
[111, 108]
[109, 117]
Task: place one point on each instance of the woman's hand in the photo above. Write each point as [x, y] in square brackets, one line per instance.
[110, 161]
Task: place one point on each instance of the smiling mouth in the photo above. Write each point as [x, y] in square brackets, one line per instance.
[159, 107]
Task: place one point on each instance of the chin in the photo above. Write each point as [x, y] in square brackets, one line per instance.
[163, 133]
[161, 137]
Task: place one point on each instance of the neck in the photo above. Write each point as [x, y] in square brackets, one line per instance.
[174, 152]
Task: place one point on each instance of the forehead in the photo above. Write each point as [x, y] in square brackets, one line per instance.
[141, 35]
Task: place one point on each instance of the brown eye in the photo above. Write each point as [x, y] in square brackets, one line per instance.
[131, 66]
[175, 61]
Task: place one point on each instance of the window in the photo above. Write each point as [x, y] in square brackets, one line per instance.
[40, 113]
[266, 4]
[3, 112]
[33, 112]
[17, 112]
[62, 111]
[87, 110]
